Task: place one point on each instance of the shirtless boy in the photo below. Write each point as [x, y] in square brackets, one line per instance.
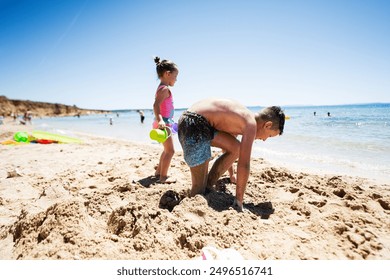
[216, 122]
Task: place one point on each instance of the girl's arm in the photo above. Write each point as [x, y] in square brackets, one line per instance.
[160, 97]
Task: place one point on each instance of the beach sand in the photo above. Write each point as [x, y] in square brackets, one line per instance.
[96, 200]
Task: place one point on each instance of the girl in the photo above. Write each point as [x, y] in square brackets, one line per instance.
[167, 72]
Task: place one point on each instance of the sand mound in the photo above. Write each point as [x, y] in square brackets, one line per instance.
[72, 202]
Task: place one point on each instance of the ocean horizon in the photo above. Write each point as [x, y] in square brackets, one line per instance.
[352, 140]
[259, 106]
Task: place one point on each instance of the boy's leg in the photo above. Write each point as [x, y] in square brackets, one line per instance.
[231, 146]
[199, 178]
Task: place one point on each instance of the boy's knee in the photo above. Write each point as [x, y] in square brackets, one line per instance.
[234, 152]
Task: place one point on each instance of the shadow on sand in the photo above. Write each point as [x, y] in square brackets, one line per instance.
[146, 182]
[218, 199]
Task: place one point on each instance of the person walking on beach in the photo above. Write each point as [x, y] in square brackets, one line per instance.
[216, 122]
[27, 117]
[163, 109]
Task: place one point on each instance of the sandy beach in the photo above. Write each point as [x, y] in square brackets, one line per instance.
[96, 200]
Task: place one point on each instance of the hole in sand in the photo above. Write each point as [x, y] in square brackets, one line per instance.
[170, 199]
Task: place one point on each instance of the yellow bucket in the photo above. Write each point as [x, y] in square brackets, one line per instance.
[160, 135]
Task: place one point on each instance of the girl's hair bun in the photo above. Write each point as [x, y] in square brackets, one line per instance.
[163, 66]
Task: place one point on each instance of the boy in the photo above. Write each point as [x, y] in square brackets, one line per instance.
[215, 122]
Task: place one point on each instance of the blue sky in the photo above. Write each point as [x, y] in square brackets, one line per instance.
[98, 54]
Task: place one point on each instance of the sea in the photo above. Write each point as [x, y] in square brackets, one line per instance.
[351, 140]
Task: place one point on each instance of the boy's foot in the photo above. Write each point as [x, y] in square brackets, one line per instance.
[166, 180]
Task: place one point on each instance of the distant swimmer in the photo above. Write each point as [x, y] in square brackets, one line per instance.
[328, 114]
[142, 115]
[315, 114]
[110, 121]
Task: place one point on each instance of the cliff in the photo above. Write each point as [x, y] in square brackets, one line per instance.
[19, 107]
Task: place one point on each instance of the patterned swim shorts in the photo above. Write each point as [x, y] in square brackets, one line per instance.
[195, 135]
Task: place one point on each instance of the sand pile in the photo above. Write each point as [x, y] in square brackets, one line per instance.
[97, 200]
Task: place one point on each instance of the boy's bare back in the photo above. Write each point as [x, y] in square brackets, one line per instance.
[225, 115]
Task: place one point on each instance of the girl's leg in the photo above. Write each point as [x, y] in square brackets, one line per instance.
[165, 160]
[158, 167]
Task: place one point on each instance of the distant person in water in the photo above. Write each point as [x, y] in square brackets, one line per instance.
[315, 114]
[216, 122]
[142, 115]
[163, 109]
[328, 114]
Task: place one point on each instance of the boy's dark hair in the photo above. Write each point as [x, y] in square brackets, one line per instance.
[275, 115]
[163, 66]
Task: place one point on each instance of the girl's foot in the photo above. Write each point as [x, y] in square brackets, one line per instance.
[233, 179]
[166, 180]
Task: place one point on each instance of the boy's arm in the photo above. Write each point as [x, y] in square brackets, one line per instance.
[243, 166]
